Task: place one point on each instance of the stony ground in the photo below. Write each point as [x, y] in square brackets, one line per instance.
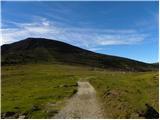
[83, 104]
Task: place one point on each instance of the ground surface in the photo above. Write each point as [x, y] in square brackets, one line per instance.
[82, 105]
[39, 90]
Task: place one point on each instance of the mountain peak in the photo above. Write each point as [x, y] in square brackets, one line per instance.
[40, 50]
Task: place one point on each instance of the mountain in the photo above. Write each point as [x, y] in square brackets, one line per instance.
[41, 50]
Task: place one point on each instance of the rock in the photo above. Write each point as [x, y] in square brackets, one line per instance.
[9, 115]
[35, 108]
[52, 111]
[61, 86]
[22, 117]
[149, 113]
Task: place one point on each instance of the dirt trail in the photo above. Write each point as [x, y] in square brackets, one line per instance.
[82, 105]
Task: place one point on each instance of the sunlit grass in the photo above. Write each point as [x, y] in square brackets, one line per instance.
[123, 94]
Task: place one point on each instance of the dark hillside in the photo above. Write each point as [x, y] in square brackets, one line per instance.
[37, 50]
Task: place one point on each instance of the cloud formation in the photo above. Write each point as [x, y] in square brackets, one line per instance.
[87, 38]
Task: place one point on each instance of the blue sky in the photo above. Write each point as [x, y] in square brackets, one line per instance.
[128, 29]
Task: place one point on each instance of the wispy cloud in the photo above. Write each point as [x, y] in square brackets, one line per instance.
[121, 38]
[87, 38]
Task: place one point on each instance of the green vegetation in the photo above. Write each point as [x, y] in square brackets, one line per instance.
[40, 50]
[39, 90]
[39, 87]
[124, 95]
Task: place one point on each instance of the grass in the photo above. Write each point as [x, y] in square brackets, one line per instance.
[26, 86]
[38, 90]
[124, 95]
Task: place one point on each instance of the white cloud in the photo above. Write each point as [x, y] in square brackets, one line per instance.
[83, 37]
[95, 49]
[120, 38]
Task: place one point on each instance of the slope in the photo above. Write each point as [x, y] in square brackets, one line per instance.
[41, 50]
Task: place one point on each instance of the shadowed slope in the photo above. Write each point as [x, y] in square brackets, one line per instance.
[38, 50]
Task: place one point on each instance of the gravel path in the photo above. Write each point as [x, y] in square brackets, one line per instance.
[82, 105]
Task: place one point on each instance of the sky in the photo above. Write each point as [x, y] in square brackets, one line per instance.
[127, 29]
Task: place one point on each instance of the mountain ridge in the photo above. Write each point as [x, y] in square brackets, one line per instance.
[37, 50]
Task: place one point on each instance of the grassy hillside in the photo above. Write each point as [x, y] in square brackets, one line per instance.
[40, 90]
[40, 50]
[124, 95]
